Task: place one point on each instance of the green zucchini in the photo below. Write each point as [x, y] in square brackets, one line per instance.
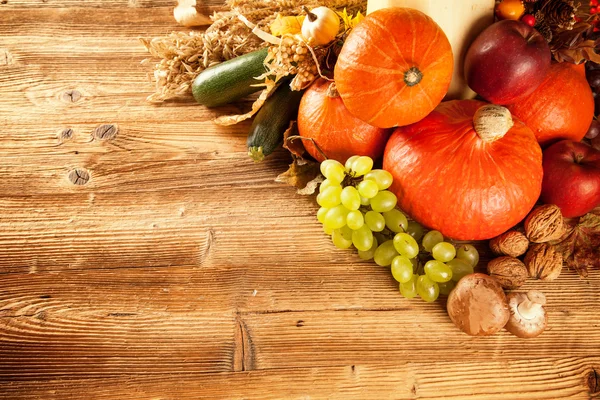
[272, 120]
[230, 80]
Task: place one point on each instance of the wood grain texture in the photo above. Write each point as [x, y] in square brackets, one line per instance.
[144, 256]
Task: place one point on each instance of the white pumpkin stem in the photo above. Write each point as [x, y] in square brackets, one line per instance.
[492, 122]
[312, 17]
[332, 91]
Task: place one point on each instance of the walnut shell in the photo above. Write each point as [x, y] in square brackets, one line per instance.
[509, 271]
[511, 243]
[543, 262]
[544, 223]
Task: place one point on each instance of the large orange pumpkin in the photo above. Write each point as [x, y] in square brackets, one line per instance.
[323, 118]
[456, 171]
[394, 68]
[562, 107]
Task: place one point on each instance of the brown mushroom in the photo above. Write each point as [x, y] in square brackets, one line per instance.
[478, 305]
[528, 317]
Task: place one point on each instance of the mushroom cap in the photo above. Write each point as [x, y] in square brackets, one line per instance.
[478, 305]
[520, 326]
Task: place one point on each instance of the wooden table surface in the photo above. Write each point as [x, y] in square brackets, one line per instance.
[162, 263]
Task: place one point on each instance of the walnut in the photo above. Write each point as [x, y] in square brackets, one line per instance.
[509, 271]
[511, 243]
[543, 262]
[544, 223]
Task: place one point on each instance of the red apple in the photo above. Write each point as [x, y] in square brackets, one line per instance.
[571, 177]
[507, 61]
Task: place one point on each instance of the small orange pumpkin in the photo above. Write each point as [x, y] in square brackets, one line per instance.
[394, 68]
[562, 107]
[323, 118]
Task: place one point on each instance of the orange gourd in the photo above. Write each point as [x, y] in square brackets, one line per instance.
[323, 118]
[464, 170]
[394, 68]
[562, 107]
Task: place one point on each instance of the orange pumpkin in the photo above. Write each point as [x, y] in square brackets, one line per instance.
[394, 68]
[562, 107]
[464, 170]
[323, 118]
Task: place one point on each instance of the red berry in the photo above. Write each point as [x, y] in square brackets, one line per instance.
[593, 10]
[528, 19]
[593, 3]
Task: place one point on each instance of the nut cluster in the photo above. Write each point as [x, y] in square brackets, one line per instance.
[542, 261]
[292, 57]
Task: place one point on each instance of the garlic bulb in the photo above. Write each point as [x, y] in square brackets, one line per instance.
[320, 26]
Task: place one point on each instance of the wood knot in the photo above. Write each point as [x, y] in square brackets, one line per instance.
[593, 381]
[300, 324]
[66, 134]
[3, 1]
[106, 132]
[79, 176]
[71, 96]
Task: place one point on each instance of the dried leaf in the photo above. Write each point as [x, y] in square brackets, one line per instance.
[303, 174]
[227, 120]
[293, 146]
[289, 25]
[349, 22]
[578, 54]
[580, 245]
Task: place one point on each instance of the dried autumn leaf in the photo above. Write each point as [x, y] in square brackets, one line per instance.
[227, 120]
[580, 246]
[348, 21]
[578, 54]
[303, 174]
[291, 142]
[289, 25]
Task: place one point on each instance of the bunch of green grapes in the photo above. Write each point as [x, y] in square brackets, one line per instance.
[358, 211]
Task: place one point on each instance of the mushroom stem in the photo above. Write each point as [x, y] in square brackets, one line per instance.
[492, 122]
[530, 307]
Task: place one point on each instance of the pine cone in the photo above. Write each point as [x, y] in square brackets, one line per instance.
[559, 13]
[545, 30]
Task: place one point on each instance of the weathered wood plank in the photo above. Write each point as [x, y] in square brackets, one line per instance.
[545, 379]
[98, 4]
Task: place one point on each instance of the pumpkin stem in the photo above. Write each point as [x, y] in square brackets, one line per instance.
[332, 91]
[413, 76]
[492, 122]
[312, 17]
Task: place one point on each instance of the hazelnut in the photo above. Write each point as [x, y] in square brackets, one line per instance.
[508, 271]
[544, 223]
[543, 262]
[511, 243]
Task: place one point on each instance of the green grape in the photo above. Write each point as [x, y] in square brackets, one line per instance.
[432, 238]
[459, 268]
[336, 217]
[374, 221]
[325, 184]
[382, 178]
[321, 214]
[402, 269]
[362, 238]
[443, 251]
[385, 253]
[437, 271]
[368, 188]
[415, 264]
[355, 219]
[395, 220]
[362, 165]
[383, 201]
[330, 197]
[468, 253]
[446, 287]
[349, 162]
[409, 289]
[350, 198]
[415, 230]
[333, 170]
[364, 201]
[427, 289]
[406, 245]
[369, 254]
[339, 240]
[328, 230]
[346, 232]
